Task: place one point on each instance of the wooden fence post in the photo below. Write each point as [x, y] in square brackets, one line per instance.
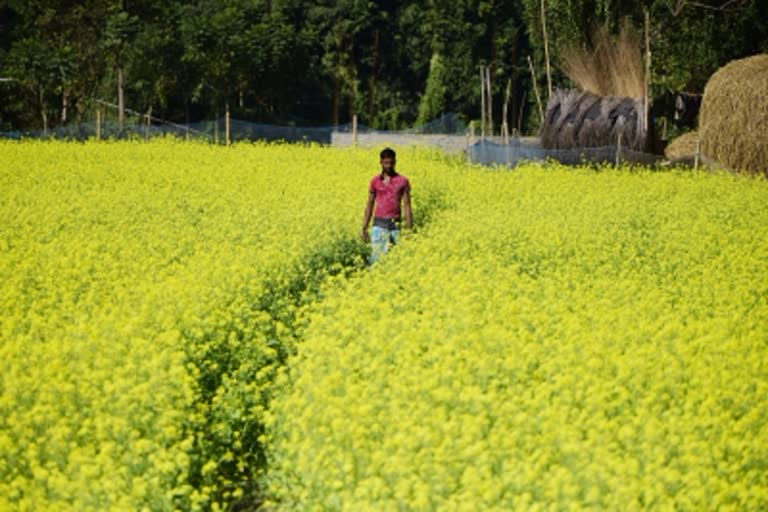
[470, 140]
[482, 101]
[228, 128]
[489, 94]
[147, 123]
[505, 123]
[647, 72]
[216, 127]
[520, 113]
[618, 151]
[98, 124]
[354, 130]
[697, 156]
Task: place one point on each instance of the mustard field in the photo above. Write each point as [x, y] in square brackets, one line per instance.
[192, 327]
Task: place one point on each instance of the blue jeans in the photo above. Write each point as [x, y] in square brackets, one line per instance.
[381, 239]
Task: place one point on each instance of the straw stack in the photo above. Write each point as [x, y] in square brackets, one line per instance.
[733, 122]
[577, 119]
[683, 146]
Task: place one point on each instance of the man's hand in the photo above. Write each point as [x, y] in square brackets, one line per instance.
[365, 235]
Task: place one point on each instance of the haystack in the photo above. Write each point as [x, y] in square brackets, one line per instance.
[682, 147]
[609, 104]
[577, 119]
[733, 122]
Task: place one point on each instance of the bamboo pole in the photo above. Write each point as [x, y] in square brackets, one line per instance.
[120, 99]
[546, 48]
[98, 124]
[618, 151]
[216, 127]
[647, 70]
[697, 156]
[505, 121]
[354, 130]
[470, 139]
[489, 93]
[147, 123]
[536, 91]
[44, 114]
[482, 102]
[520, 113]
[228, 128]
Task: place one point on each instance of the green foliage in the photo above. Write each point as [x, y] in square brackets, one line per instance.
[682, 34]
[433, 102]
[325, 60]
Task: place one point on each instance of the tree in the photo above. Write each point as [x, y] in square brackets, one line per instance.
[689, 40]
[122, 27]
[42, 70]
[340, 24]
[433, 102]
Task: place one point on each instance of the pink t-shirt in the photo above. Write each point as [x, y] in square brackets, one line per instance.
[388, 195]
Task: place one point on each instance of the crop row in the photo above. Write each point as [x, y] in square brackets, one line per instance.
[558, 339]
[148, 292]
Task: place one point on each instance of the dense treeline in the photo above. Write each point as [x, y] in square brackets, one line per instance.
[393, 63]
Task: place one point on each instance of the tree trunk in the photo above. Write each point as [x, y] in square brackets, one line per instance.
[43, 113]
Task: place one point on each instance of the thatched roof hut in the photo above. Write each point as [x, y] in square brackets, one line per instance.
[577, 119]
[733, 122]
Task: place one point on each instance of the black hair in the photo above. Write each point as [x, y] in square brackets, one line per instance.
[387, 153]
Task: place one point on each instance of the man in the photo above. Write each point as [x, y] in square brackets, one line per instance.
[387, 191]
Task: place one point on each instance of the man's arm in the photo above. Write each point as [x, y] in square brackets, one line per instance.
[367, 216]
[407, 208]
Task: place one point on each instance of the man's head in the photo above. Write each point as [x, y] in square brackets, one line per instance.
[387, 160]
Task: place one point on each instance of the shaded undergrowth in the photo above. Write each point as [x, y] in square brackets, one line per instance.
[236, 360]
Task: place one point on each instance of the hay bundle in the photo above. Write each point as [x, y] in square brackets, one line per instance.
[682, 147]
[733, 122]
[577, 119]
[612, 66]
